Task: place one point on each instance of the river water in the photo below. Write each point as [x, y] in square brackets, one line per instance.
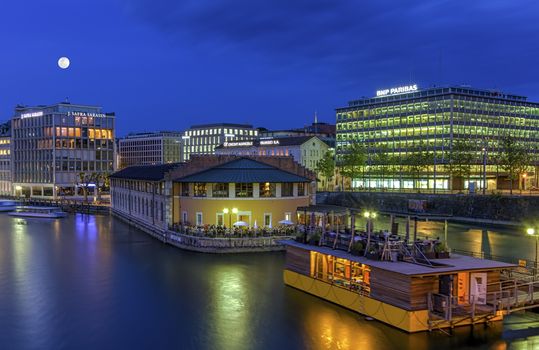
[93, 282]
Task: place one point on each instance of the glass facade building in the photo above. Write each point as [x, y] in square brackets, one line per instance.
[5, 159]
[53, 145]
[203, 139]
[150, 148]
[432, 120]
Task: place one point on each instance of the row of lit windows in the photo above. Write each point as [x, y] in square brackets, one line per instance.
[219, 131]
[404, 107]
[243, 189]
[439, 119]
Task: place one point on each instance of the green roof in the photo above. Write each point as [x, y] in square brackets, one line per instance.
[243, 170]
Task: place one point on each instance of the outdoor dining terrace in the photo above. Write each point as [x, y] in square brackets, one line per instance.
[335, 227]
[236, 231]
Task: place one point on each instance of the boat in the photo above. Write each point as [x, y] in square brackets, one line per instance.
[409, 294]
[8, 205]
[38, 212]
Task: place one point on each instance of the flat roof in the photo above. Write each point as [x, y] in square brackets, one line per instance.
[202, 126]
[327, 208]
[457, 263]
[437, 91]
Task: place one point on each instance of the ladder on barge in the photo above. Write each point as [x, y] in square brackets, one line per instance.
[514, 292]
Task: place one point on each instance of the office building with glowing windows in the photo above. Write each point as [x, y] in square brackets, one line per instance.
[203, 139]
[395, 124]
[5, 159]
[52, 145]
[149, 148]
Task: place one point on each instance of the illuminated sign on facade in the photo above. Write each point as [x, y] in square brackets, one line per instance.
[397, 90]
[269, 142]
[86, 114]
[32, 114]
[238, 144]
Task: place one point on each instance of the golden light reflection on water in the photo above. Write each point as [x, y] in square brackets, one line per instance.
[228, 313]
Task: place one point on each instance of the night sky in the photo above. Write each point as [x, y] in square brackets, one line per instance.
[167, 64]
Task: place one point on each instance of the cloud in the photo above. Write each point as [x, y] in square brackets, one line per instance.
[372, 39]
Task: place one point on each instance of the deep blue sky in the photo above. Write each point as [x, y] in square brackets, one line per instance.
[167, 64]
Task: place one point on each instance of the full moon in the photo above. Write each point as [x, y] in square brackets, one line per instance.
[63, 62]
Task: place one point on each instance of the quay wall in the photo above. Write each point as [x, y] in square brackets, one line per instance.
[206, 244]
[69, 206]
[489, 209]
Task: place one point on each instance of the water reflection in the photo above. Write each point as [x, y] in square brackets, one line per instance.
[228, 314]
[94, 282]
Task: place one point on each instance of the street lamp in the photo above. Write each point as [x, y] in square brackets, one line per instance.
[235, 211]
[524, 181]
[229, 218]
[531, 231]
[369, 216]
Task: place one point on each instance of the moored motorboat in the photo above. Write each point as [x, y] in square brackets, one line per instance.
[38, 212]
[8, 205]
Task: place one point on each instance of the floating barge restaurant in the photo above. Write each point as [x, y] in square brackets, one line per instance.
[413, 297]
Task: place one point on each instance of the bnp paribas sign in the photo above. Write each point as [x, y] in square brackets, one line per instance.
[397, 90]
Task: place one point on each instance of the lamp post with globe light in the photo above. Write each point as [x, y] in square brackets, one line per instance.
[225, 211]
[369, 216]
[532, 232]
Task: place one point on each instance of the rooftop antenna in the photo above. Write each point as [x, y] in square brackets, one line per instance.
[315, 116]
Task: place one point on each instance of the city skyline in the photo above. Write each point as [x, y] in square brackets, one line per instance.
[255, 62]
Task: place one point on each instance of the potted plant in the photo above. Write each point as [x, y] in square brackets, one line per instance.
[373, 253]
[300, 237]
[429, 253]
[314, 239]
[357, 248]
[442, 251]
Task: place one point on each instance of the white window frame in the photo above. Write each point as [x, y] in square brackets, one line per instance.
[217, 215]
[270, 219]
[201, 218]
[288, 216]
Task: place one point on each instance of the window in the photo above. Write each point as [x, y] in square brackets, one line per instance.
[288, 216]
[162, 210]
[244, 190]
[301, 189]
[267, 220]
[220, 190]
[220, 220]
[199, 189]
[185, 189]
[199, 219]
[287, 189]
[184, 217]
[268, 189]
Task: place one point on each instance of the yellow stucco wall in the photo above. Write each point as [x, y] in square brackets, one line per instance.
[209, 207]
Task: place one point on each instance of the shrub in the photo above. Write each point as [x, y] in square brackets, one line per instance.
[357, 247]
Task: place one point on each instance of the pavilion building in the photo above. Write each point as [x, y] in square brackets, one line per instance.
[213, 190]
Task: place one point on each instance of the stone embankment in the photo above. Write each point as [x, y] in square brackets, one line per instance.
[208, 244]
[488, 209]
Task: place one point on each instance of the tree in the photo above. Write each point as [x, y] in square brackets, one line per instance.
[383, 160]
[353, 161]
[326, 167]
[418, 161]
[513, 159]
[461, 159]
[85, 180]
